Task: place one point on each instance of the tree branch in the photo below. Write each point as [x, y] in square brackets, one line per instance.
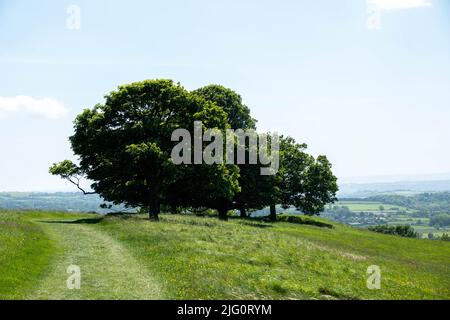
[77, 184]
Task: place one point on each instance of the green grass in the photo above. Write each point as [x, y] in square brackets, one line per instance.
[205, 258]
[185, 257]
[34, 261]
[25, 252]
[108, 270]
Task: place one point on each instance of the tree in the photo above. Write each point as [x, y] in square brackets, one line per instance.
[303, 181]
[205, 186]
[403, 231]
[124, 145]
[69, 171]
[255, 189]
[238, 114]
[440, 220]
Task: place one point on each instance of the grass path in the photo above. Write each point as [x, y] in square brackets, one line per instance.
[108, 270]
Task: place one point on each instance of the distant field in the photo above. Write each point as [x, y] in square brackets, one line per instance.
[358, 206]
[393, 215]
[426, 229]
[187, 257]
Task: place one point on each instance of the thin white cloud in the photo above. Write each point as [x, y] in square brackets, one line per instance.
[400, 4]
[46, 107]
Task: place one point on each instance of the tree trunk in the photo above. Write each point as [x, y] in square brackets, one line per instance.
[154, 209]
[223, 213]
[273, 213]
[243, 212]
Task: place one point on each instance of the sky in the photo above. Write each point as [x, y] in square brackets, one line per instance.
[365, 82]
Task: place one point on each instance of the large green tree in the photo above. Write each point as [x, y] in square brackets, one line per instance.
[124, 146]
[304, 182]
[238, 114]
[255, 189]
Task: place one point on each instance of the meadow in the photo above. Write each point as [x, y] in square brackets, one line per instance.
[189, 257]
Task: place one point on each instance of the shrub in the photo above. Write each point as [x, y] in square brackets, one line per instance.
[403, 231]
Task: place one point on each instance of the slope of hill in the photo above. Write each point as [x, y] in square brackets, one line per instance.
[187, 257]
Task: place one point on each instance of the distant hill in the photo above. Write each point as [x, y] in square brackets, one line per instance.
[58, 201]
[363, 190]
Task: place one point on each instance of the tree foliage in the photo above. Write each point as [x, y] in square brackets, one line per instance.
[304, 182]
[403, 231]
[124, 147]
[238, 114]
[440, 220]
[255, 189]
[437, 202]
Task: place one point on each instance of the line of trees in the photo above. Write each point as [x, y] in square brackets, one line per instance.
[402, 231]
[124, 146]
[440, 220]
[436, 202]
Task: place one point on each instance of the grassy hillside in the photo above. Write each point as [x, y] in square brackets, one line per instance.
[185, 257]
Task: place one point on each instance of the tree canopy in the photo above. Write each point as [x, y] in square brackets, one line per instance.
[124, 146]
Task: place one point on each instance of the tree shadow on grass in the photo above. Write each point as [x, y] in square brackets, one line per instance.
[303, 220]
[202, 223]
[80, 221]
[257, 225]
[265, 222]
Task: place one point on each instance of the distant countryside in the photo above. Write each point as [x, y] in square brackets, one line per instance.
[428, 213]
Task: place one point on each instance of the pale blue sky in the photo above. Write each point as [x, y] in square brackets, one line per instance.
[377, 102]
